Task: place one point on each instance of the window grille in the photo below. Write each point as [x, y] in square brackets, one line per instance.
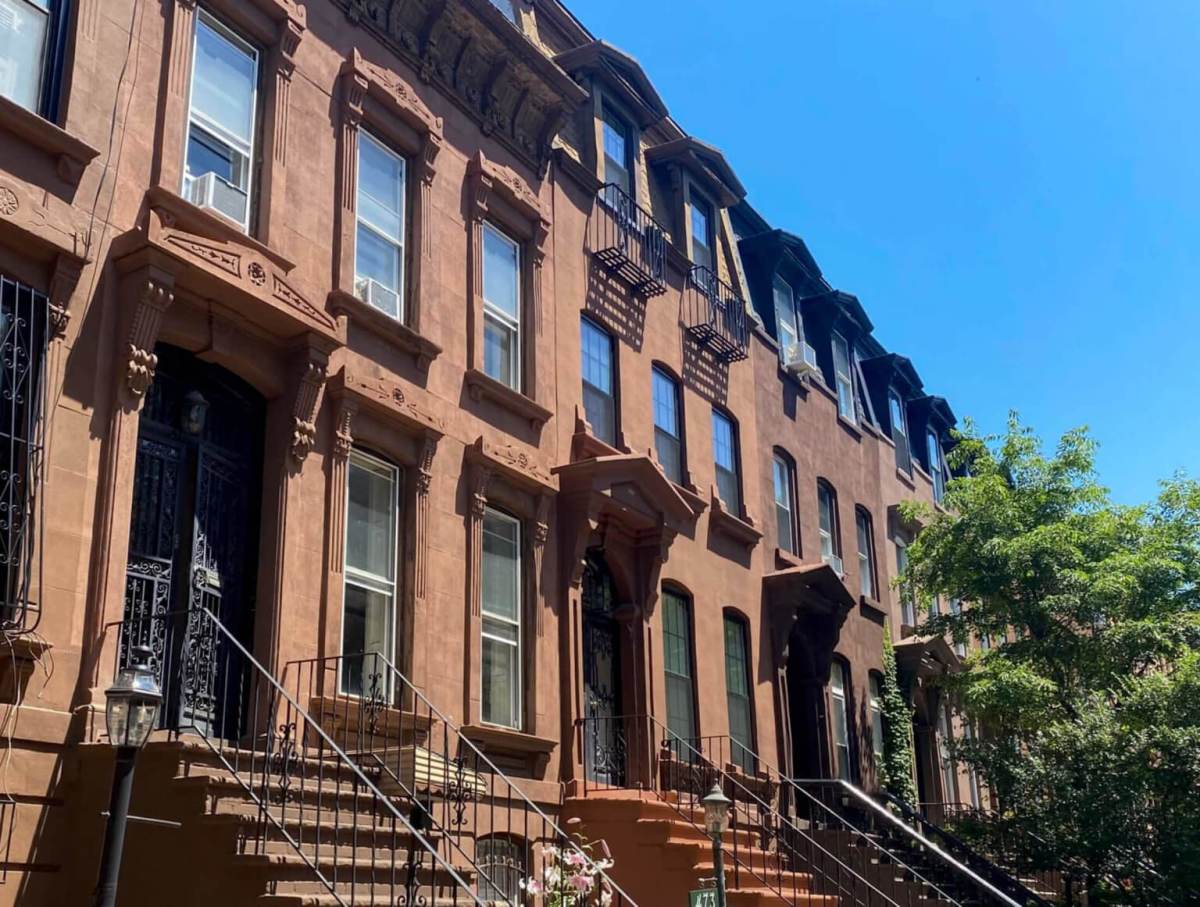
[24, 336]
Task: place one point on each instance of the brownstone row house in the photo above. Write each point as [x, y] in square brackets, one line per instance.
[463, 453]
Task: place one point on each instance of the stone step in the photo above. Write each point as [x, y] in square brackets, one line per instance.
[765, 897]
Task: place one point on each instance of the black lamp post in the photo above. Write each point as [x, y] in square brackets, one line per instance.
[131, 714]
[716, 820]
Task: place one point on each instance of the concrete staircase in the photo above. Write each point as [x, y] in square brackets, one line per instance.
[662, 853]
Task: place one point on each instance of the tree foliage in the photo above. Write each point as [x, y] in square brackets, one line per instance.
[1089, 698]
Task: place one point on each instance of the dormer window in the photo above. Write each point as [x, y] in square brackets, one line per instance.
[222, 119]
[844, 378]
[618, 151]
[937, 466]
[785, 317]
[899, 432]
[702, 232]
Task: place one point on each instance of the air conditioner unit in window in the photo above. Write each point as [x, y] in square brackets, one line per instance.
[835, 562]
[800, 359]
[212, 192]
[376, 295]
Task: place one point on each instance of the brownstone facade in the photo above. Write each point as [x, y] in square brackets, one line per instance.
[501, 123]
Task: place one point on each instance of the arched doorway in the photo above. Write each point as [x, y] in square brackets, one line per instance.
[193, 538]
[605, 748]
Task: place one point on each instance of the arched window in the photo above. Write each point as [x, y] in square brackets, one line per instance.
[866, 553]
[668, 424]
[737, 691]
[502, 866]
[839, 704]
[677, 663]
[784, 473]
[831, 542]
[725, 456]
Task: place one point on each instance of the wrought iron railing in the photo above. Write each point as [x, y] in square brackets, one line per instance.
[361, 845]
[766, 848]
[628, 241]
[477, 814]
[715, 315]
[24, 340]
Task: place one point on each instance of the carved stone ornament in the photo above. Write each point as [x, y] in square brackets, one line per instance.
[304, 413]
[155, 298]
[514, 462]
[400, 97]
[389, 397]
[9, 204]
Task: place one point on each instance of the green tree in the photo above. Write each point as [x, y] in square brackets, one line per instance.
[1088, 698]
[896, 773]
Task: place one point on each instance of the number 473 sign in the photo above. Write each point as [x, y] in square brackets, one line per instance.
[703, 897]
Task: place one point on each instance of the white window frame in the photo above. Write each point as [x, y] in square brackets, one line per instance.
[361, 221]
[226, 33]
[518, 688]
[840, 701]
[828, 535]
[949, 768]
[785, 305]
[610, 117]
[354, 576]
[658, 375]
[585, 324]
[899, 420]
[697, 203]
[875, 708]
[844, 381]
[38, 76]
[499, 316]
[908, 605]
[734, 472]
[937, 465]
[781, 469]
[866, 558]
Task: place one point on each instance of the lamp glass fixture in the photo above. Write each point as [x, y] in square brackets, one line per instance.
[132, 702]
[716, 811]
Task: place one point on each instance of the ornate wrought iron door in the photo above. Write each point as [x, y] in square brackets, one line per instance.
[604, 736]
[193, 536]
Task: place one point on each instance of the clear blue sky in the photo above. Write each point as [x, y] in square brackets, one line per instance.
[1011, 188]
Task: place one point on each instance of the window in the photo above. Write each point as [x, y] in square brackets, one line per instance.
[677, 660]
[785, 509]
[973, 776]
[668, 434]
[33, 40]
[24, 338]
[506, 7]
[785, 317]
[702, 241]
[985, 640]
[737, 692]
[501, 862]
[844, 378]
[838, 696]
[219, 160]
[866, 553]
[935, 606]
[900, 433]
[936, 466]
[379, 242]
[908, 610]
[501, 307]
[369, 608]
[618, 151]
[949, 772]
[501, 607]
[831, 543]
[876, 708]
[725, 457]
[599, 402]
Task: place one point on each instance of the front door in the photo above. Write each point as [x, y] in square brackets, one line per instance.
[193, 537]
[604, 740]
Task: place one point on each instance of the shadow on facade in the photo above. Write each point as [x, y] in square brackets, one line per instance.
[609, 301]
[705, 373]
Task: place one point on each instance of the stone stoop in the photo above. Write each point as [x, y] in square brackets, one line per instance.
[660, 854]
[215, 846]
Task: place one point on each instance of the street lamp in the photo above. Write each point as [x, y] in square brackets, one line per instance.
[716, 821]
[131, 713]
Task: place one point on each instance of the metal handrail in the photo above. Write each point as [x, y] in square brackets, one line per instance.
[561, 836]
[286, 752]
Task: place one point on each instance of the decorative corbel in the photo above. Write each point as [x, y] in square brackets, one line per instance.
[156, 296]
[63, 282]
[308, 396]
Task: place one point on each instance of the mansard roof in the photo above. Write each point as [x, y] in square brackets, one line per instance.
[936, 407]
[705, 161]
[784, 244]
[621, 72]
[845, 303]
[897, 365]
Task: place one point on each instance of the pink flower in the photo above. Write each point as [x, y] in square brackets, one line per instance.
[580, 883]
[575, 858]
[533, 886]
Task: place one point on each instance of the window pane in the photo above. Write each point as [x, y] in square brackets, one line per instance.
[224, 76]
[670, 455]
[845, 383]
[825, 506]
[366, 628]
[677, 660]
[723, 452]
[501, 272]
[501, 864]
[501, 681]
[785, 315]
[616, 151]
[22, 47]
[599, 404]
[701, 248]
[206, 154]
[377, 259]
[499, 351]
[501, 566]
[371, 519]
[666, 403]
[841, 721]
[900, 434]
[866, 560]
[380, 188]
[876, 719]
[737, 686]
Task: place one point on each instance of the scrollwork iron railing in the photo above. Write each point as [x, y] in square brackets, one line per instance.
[479, 816]
[765, 847]
[628, 241]
[715, 315]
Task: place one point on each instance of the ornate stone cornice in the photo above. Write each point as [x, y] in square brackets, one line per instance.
[515, 464]
[363, 78]
[388, 398]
